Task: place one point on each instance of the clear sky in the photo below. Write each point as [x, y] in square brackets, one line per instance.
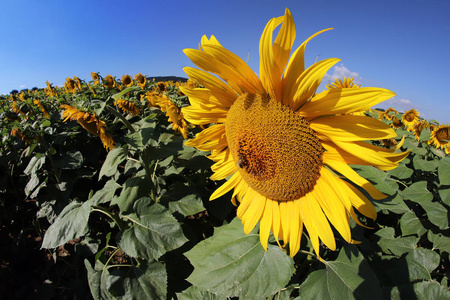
[395, 44]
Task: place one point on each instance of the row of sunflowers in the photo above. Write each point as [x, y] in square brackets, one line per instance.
[101, 197]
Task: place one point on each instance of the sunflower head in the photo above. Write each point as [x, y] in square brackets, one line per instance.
[410, 118]
[95, 78]
[128, 107]
[141, 80]
[280, 143]
[109, 81]
[346, 83]
[127, 81]
[70, 85]
[175, 116]
[77, 81]
[389, 114]
[418, 128]
[440, 137]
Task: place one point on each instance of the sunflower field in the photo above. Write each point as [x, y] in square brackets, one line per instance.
[101, 199]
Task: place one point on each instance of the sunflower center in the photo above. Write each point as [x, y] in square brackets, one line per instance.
[277, 152]
[410, 117]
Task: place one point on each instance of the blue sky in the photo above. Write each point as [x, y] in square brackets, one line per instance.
[399, 45]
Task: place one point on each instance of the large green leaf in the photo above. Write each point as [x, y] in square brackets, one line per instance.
[70, 224]
[188, 205]
[113, 159]
[379, 178]
[397, 245]
[424, 290]
[401, 172]
[439, 240]
[437, 213]
[35, 164]
[106, 194]
[194, 293]
[146, 281]
[235, 264]
[133, 189]
[444, 193]
[153, 232]
[394, 204]
[410, 224]
[347, 277]
[444, 170]
[417, 192]
[70, 160]
[425, 165]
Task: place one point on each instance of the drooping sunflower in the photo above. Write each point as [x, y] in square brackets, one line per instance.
[127, 81]
[90, 122]
[175, 116]
[128, 107]
[389, 114]
[280, 144]
[141, 80]
[109, 81]
[440, 137]
[95, 78]
[70, 85]
[410, 118]
[418, 128]
[39, 104]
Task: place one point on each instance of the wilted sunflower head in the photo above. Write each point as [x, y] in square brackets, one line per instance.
[70, 85]
[396, 123]
[127, 80]
[175, 116]
[78, 82]
[418, 128]
[109, 81]
[281, 144]
[95, 78]
[410, 118]
[140, 79]
[128, 107]
[90, 122]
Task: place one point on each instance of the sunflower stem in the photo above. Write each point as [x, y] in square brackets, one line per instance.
[121, 117]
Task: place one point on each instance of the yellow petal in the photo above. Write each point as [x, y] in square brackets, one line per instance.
[296, 228]
[266, 223]
[344, 101]
[344, 169]
[295, 68]
[308, 82]
[269, 71]
[254, 211]
[226, 187]
[212, 133]
[351, 128]
[362, 204]
[248, 79]
[284, 41]
[219, 89]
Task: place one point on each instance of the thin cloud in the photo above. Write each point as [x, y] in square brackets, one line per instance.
[340, 72]
[399, 104]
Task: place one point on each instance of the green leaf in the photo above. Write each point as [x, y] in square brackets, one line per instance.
[410, 224]
[120, 94]
[153, 232]
[348, 277]
[35, 164]
[424, 290]
[393, 204]
[436, 212]
[379, 178]
[444, 193]
[425, 135]
[236, 264]
[401, 172]
[98, 106]
[146, 281]
[427, 258]
[188, 205]
[113, 159]
[106, 194]
[133, 189]
[194, 293]
[425, 165]
[388, 243]
[70, 224]
[439, 240]
[417, 192]
[444, 170]
[70, 161]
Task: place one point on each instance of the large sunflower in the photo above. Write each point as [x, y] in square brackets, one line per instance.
[440, 137]
[284, 149]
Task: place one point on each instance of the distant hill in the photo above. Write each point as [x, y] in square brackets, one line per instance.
[167, 78]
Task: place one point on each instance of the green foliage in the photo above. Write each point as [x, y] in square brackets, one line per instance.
[135, 222]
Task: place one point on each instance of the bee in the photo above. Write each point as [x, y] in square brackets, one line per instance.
[242, 162]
